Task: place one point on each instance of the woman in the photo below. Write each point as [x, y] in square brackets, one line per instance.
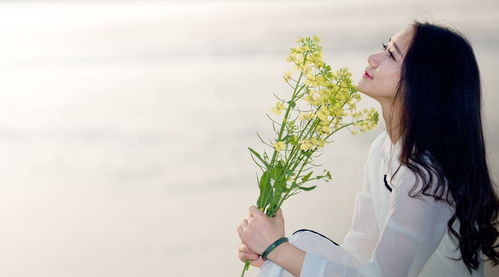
[428, 206]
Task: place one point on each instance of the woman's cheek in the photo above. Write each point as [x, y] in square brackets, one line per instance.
[394, 78]
[387, 85]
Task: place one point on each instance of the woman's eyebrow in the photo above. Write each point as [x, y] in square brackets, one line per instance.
[396, 47]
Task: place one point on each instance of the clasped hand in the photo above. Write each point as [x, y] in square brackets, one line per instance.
[257, 231]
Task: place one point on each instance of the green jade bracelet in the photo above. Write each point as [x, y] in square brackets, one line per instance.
[272, 247]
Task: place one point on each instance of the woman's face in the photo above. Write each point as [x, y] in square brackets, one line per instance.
[383, 72]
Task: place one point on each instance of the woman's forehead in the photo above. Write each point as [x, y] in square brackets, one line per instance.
[402, 39]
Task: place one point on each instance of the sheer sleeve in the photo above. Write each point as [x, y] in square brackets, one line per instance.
[412, 231]
[361, 240]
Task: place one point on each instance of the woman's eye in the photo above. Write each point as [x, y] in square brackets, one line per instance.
[389, 52]
[384, 46]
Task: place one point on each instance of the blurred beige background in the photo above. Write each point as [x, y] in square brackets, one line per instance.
[124, 125]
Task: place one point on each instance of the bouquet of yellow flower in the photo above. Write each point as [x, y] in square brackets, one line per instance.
[330, 105]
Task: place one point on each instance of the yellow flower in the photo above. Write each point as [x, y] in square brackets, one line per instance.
[278, 146]
[305, 144]
[309, 98]
[317, 142]
[306, 116]
[323, 113]
[310, 80]
[278, 108]
[287, 75]
[321, 143]
[325, 129]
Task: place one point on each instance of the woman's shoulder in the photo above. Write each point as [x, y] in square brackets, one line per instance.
[377, 144]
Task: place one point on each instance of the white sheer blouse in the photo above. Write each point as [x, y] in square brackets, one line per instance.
[392, 234]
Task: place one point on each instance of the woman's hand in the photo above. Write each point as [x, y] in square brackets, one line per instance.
[247, 254]
[257, 231]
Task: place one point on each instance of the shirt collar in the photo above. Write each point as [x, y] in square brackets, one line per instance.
[393, 150]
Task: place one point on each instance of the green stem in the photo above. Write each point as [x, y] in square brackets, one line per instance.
[290, 161]
[346, 125]
[246, 267]
[296, 147]
[287, 112]
[305, 162]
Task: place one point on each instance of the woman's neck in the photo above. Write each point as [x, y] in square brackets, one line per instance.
[391, 123]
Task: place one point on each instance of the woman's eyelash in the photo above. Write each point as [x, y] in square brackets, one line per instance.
[390, 53]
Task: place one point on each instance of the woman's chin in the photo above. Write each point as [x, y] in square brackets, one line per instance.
[363, 90]
[364, 87]
[360, 87]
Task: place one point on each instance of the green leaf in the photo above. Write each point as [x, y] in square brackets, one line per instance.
[254, 153]
[292, 139]
[262, 185]
[268, 196]
[257, 163]
[307, 188]
[266, 190]
[279, 175]
[328, 175]
[306, 177]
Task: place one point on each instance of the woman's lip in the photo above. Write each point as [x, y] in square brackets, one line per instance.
[367, 75]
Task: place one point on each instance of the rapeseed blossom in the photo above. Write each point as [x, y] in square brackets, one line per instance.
[323, 102]
[278, 108]
[306, 116]
[278, 146]
[323, 113]
[306, 144]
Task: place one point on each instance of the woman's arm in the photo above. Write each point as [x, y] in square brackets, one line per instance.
[361, 239]
[288, 257]
[412, 231]
[258, 231]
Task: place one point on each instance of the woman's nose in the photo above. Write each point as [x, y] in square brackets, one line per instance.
[373, 60]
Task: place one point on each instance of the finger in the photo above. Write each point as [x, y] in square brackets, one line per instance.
[244, 224]
[279, 213]
[244, 248]
[242, 256]
[254, 211]
[250, 215]
[240, 232]
[245, 256]
[258, 262]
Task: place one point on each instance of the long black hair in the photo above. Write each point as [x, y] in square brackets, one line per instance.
[441, 131]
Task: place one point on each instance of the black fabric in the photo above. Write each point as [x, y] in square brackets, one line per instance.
[303, 230]
[386, 184]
